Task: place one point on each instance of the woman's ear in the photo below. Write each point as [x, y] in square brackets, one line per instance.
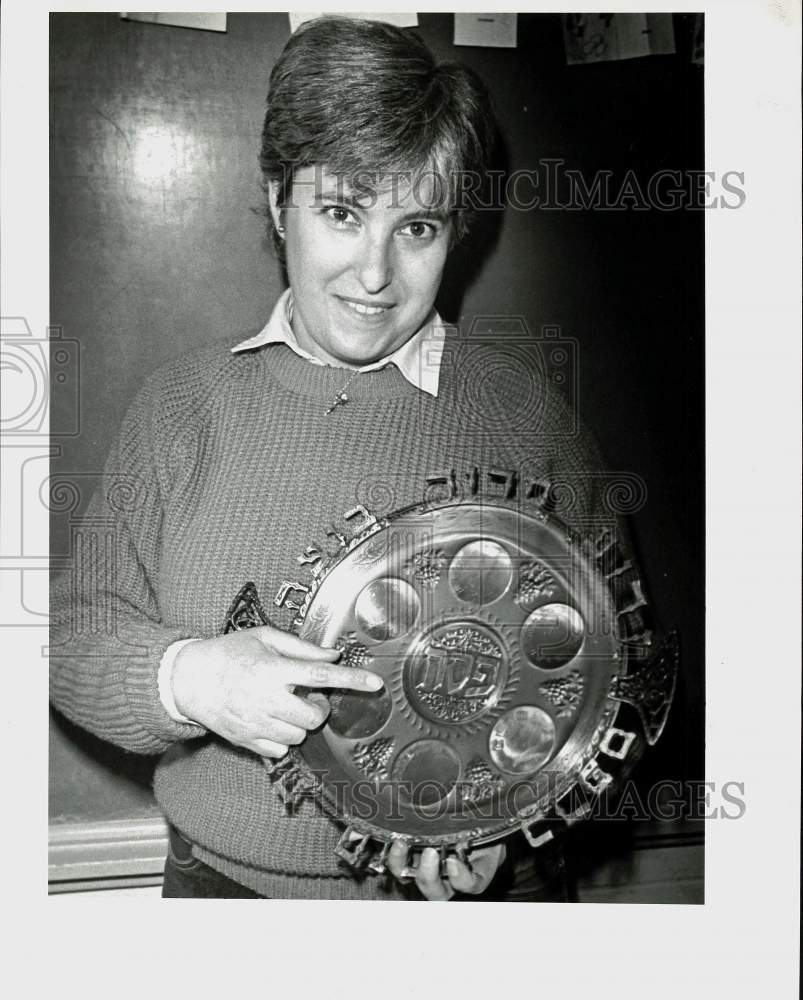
[275, 211]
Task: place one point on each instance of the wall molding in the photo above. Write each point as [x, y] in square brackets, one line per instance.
[97, 852]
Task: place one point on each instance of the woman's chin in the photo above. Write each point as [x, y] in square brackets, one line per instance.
[360, 350]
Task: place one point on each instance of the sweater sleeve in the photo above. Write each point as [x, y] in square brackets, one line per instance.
[588, 496]
[107, 632]
[577, 472]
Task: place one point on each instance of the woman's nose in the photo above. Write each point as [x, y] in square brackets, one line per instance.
[374, 266]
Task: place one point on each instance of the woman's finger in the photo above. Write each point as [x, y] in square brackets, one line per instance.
[306, 712]
[278, 731]
[293, 646]
[321, 702]
[330, 675]
[484, 862]
[397, 859]
[267, 748]
[429, 880]
[461, 877]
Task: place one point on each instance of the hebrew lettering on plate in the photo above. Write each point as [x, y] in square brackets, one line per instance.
[457, 673]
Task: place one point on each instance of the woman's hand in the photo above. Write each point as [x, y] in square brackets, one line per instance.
[472, 878]
[241, 686]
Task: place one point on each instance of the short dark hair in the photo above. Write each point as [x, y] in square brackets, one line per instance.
[361, 96]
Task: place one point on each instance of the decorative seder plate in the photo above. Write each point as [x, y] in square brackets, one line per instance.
[511, 650]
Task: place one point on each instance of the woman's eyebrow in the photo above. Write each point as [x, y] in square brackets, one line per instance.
[427, 215]
[352, 201]
[333, 194]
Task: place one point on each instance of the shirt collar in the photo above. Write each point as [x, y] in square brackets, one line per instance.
[419, 359]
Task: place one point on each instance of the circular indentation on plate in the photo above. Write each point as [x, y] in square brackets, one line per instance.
[522, 740]
[426, 771]
[357, 714]
[456, 672]
[552, 636]
[480, 572]
[387, 608]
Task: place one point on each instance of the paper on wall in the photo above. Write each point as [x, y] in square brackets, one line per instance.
[297, 18]
[591, 38]
[490, 30]
[698, 41]
[205, 22]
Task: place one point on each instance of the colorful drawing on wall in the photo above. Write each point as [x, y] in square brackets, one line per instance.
[496, 31]
[591, 38]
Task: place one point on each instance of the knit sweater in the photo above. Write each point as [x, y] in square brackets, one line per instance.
[226, 467]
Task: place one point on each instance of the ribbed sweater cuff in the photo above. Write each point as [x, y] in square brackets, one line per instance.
[142, 695]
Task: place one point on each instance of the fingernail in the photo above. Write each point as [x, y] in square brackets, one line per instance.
[451, 866]
[374, 682]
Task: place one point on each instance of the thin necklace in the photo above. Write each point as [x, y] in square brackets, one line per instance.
[341, 397]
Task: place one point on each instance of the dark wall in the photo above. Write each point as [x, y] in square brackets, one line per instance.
[155, 249]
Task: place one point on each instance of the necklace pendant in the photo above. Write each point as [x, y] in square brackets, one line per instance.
[339, 399]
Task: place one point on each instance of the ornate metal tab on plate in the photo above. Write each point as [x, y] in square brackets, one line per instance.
[246, 611]
[288, 587]
[649, 686]
[501, 640]
[594, 779]
[616, 743]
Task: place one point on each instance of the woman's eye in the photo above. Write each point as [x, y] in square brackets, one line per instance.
[338, 214]
[420, 230]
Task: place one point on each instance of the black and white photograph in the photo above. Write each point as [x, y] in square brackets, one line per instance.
[380, 504]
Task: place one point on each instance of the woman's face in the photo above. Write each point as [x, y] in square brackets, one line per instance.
[364, 268]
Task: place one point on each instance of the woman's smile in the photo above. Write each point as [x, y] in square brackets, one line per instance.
[366, 310]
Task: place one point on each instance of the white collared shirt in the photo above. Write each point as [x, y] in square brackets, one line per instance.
[418, 359]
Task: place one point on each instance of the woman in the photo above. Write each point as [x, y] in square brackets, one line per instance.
[244, 452]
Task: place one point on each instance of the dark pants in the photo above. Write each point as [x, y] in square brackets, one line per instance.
[188, 878]
[525, 877]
